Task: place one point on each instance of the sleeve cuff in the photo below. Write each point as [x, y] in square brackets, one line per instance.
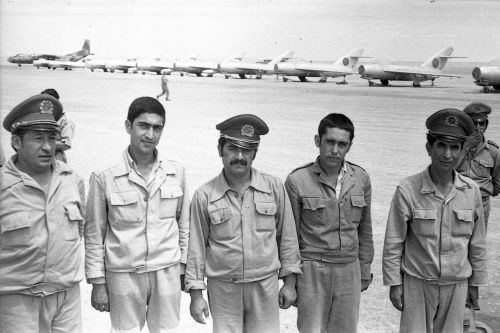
[365, 272]
[182, 268]
[289, 269]
[195, 285]
[100, 280]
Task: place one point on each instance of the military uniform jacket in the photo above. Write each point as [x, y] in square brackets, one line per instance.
[240, 240]
[337, 231]
[483, 166]
[433, 238]
[40, 234]
[132, 226]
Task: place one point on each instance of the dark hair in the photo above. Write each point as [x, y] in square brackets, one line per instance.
[222, 141]
[50, 91]
[20, 132]
[337, 120]
[145, 105]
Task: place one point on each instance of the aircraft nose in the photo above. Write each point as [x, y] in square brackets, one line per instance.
[9, 59]
[361, 70]
[476, 73]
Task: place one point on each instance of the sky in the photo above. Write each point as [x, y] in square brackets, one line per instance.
[396, 30]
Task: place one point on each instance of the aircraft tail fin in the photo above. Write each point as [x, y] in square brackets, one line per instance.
[86, 48]
[282, 57]
[350, 59]
[438, 61]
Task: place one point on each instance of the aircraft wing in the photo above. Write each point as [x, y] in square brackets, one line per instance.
[251, 67]
[417, 71]
[323, 68]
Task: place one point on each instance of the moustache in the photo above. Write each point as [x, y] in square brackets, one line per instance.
[238, 161]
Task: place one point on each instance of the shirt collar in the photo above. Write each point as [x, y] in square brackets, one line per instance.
[343, 170]
[429, 187]
[129, 164]
[221, 186]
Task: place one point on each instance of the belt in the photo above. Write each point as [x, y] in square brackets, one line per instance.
[485, 199]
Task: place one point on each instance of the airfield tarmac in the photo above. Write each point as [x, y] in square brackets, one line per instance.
[389, 143]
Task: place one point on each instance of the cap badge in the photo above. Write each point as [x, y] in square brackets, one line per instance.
[247, 130]
[477, 108]
[46, 107]
[451, 121]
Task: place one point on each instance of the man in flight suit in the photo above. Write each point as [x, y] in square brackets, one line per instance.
[242, 238]
[331, 200]
[435, 249]
[41, 225]
[137, 235]
[480, 158]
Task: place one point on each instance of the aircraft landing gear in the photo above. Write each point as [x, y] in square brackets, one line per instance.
[385, 83]
[370, 83]
[432, 82]
[341, 82]
[302, 79]
[242, 76]
[322, 80]
[416, 84]
[182, 74]
[285, 79]
[198, 74]
[226, 76]
[259, 76]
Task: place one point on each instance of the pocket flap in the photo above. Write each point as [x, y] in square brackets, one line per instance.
[464, 215]
[313, 203]
[73, 211]
[170, 191]
[220, 215]
[486, 163]
[358, 201]
[425, 214]
[266, 208]
[123, 198]
[15, 222]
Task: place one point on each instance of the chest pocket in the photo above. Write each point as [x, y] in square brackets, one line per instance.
[463, 223]
[424, 222]
[357, 203]
[15, 231]
[313, 209]
[125, 207]
[484, 166]
[221, 226]
[169, 195]
[74, 217]
[266, 220]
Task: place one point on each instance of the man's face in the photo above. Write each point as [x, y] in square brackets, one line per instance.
[145, 132]
[36, 149]
[333, 146]
[237, 161]
[444, 154]
[480, 125]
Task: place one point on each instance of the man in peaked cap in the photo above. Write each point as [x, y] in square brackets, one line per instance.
[434, 255]
[331, 203]
[242, 238]
[137, 233]
[41, 226]
[480, 158]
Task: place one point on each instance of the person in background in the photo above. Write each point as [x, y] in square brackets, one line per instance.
[67, 130]
[164, 87]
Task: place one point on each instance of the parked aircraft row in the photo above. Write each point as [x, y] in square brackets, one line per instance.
[283, 65]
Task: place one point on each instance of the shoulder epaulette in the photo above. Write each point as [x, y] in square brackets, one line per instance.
[356, 165]
[302, 167]
[493, 144]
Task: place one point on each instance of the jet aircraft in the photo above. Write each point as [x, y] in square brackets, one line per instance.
[156, 66]
[64, 64]
[429, 70]
[94, 64]
[244, 68]
[122, 65]
[486, 76]
[193, 66]
[21, 58]
[342, 67]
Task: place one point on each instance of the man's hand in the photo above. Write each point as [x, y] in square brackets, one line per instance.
[473, 140]
[397, 297]
[366, 283]
[473, 298]
[198, 307]
[99, 298]
[288, 295]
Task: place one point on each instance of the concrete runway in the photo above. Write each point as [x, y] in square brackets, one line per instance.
[389, 143]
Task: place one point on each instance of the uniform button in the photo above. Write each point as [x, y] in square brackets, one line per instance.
[236, 195]
[146, 198]
[234, 279]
